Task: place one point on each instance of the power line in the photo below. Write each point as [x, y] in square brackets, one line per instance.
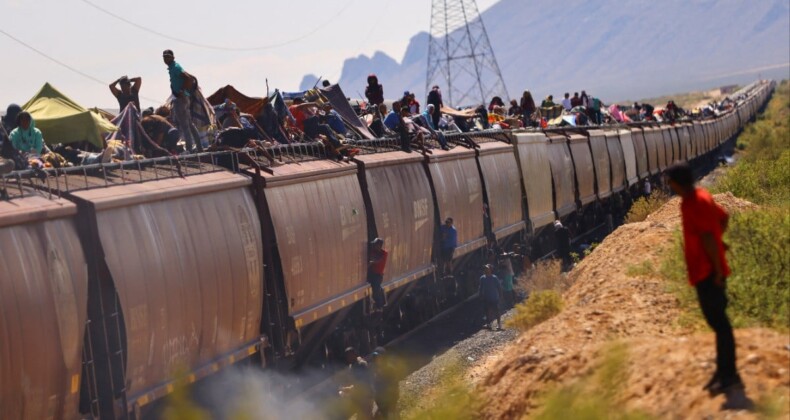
[216, 47]
[62, 64]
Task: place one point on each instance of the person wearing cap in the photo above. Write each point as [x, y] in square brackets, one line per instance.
[489, 292]
[448, 242]
[704, 223]
[129, 91]
[563, 238]
[377, 261]
[385, 384]
[181, 83]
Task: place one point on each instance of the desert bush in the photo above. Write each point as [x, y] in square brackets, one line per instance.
[546, 275]
[539, 306]
[643, 206]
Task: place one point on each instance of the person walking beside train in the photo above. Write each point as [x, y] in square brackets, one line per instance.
[704, 223]
[377, 261]
[357, 393]
[563, 237]
[489, 292]
[448, 242]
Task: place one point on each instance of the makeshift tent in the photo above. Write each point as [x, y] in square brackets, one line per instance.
[62, 120]
[131, 133]
[335, 96]
[246, 104]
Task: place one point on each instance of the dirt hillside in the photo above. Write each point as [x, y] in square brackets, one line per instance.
[666, 365]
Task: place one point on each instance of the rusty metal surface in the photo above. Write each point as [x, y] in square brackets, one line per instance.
[603, 171]
[563, 174]
[684, 137]
[188, 270]
[629, 156]
[536, 173]
[583, 165]
[661, 149]
[318, 214]
[43, 311]
[654, 150]
[402, 208]
[502, 180]
[677, 154]
[640, 152]
[617, 160]
[668, 147]
[459, 194]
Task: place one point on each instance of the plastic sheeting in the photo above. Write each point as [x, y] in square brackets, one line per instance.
[61, 120]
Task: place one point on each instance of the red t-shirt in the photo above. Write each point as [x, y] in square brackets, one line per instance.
[378, 266]
[299, 116]
[701, 215]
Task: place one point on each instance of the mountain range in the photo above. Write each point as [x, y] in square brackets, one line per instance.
[615, 50]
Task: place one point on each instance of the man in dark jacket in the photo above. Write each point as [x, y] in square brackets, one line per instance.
[435, 99]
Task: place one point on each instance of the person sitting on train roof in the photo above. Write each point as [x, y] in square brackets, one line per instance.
[576, 100]
[27, 141]
[424, 121]
[129, 91]
[435, 98]
[377, 261]
[548, 102]
[414, 105]
[307, 121]
[377, 124]
[495, 101]
[448, 243]
[566, 102]
[391, 120]
[408, 131]
[334, 121]
[160, 131]
[271, 124]
[514, 110]
[528, 108]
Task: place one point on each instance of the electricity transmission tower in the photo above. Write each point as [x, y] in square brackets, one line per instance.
[460, 58]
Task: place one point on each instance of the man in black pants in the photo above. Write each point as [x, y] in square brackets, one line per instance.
[704, 222]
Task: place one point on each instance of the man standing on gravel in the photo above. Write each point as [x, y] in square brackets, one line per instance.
[704, 222]
[490, 290]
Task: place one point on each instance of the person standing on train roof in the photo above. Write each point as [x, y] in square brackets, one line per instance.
[489, 292]
[181, 83]
[448, 243]
[377, 261]
[374, 91]
[576, 100]
[129, 91]
[435, 99]
[704, 222]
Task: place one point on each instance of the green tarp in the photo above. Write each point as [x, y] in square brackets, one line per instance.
[62, 120]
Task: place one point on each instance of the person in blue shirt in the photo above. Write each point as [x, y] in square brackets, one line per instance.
[489, 292]
[334, 121]
[393, 118]
[181, 83]
[449, 240]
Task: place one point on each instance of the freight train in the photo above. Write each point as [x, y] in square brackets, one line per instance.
[117, 279]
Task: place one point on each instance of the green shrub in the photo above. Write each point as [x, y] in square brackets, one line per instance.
[759, 285]
[539, 307]
[643, 206]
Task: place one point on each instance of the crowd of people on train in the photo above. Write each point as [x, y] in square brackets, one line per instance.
[172, 128]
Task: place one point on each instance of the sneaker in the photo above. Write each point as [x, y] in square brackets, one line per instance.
[722, 386]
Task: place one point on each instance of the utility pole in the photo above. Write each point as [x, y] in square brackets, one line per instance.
[460, 58]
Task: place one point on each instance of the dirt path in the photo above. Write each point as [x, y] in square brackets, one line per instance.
[615, 299]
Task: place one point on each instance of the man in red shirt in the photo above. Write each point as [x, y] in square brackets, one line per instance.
[704, 222]
[377, 260]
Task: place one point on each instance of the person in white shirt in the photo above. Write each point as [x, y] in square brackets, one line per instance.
[566, 102]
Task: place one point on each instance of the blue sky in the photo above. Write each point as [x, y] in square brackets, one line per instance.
[321, 34]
